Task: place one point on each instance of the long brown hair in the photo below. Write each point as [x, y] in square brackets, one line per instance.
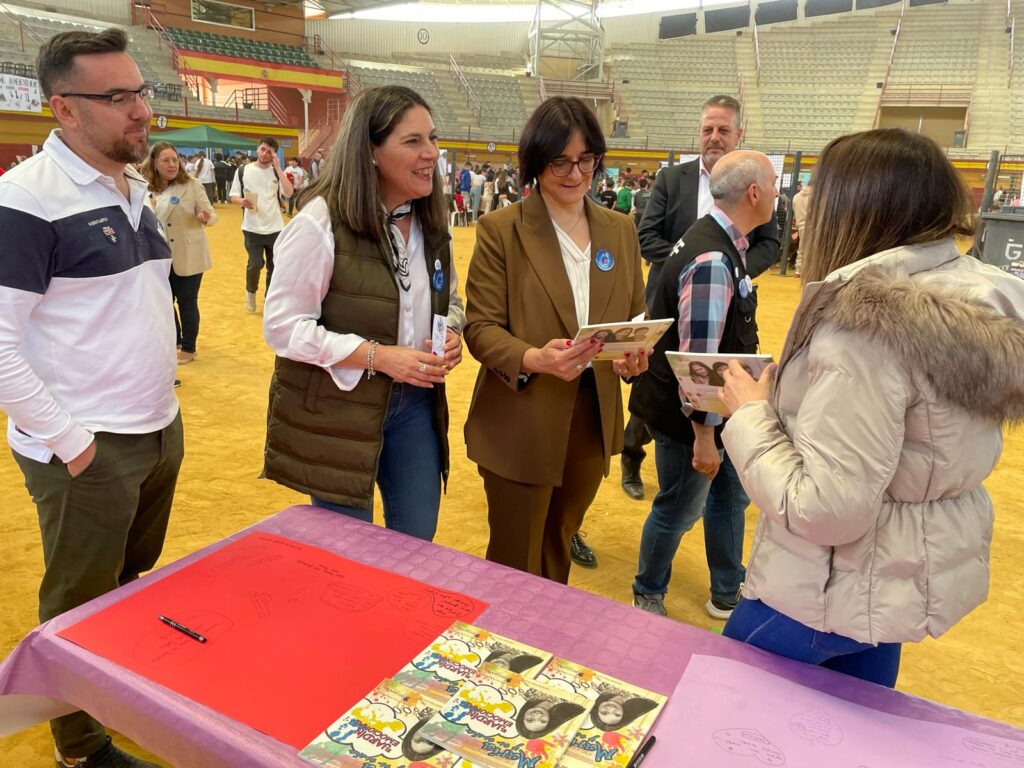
[878, 190]
[152, 175]
[350, 184]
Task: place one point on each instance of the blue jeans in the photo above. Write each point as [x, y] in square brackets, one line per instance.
[475, 194]
[409, 469]
[684, 496]
[755, 623]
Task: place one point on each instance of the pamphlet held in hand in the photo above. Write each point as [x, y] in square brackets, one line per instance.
[700, 376]
[620, 338]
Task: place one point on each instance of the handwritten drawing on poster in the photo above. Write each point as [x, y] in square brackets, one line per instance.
[19, 94]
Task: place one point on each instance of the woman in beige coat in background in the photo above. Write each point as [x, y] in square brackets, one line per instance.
[181, 205]
[867, 456]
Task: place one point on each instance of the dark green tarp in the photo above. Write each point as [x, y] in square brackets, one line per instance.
[203, 136]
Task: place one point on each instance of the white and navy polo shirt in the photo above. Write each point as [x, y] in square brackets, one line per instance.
[86, 322]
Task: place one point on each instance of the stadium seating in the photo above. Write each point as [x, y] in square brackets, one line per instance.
[238, 47]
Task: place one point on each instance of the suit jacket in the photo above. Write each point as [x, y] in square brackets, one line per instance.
[672, 209]
[518, 297]
[190, 253]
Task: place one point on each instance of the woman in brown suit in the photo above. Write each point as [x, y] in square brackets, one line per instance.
[545, 420]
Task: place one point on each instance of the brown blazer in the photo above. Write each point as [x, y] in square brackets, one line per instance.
[519, 297]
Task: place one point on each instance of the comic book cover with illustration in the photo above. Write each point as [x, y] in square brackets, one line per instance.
[619, 718]
[382, 731]
[500, 719]
[459, 651]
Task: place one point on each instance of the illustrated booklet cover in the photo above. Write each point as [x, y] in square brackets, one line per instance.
[618, 720]
[700, 376]
[459, 651]
[501, 719]
[620, 338]
[382, 731]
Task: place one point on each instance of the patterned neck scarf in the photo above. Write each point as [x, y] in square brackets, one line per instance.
[399, 256]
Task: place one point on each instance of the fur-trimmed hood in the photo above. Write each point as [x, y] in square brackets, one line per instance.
[970, 353]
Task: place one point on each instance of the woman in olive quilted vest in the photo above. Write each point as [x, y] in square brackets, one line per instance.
[363, 274]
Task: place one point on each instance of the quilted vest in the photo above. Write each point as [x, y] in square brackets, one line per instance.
[324, 441]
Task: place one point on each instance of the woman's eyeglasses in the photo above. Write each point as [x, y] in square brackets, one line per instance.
[563, 166]
[119, 99]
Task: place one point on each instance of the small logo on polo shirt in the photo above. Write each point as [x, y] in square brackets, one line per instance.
[110, 234]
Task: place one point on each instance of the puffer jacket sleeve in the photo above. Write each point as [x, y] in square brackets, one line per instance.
[824, 478]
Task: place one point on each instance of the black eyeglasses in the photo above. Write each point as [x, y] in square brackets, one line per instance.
[563, 166]
[119, 99]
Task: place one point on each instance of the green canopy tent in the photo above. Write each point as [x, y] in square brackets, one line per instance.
[204, 137]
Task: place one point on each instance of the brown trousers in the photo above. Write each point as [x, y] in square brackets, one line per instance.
[531, 525]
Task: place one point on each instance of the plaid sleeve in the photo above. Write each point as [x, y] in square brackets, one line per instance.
[705, 292]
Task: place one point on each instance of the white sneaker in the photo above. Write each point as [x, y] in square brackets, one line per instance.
[717, 610]
[250, 301]
[651, 603]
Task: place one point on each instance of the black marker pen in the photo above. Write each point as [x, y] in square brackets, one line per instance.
[184, 630]
[641, 753]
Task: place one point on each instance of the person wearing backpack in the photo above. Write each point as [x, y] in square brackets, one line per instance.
[256, 188]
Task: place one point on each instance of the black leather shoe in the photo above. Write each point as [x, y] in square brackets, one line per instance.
[580, 553]
[632, 483]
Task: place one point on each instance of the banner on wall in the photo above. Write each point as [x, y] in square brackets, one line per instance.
[19, 94]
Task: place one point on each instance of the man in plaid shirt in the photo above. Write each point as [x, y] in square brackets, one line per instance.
[705, 286]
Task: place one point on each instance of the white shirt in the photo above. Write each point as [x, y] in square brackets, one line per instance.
[303, 265]
[205, 174]
[86, 325]
[704, 199]
[298, 175]
[190, 168]
[265, 218]
[577, 267]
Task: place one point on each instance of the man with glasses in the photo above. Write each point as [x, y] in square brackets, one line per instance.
[85, 380]
[681, 196]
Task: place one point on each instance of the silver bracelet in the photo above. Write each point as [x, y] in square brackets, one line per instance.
[371, 355]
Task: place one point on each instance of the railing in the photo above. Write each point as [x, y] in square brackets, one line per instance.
[967, 120]
[888, 67]
[1013, 34]
[278, 109]
[621, 113]
[757, 56]
[23, 28]
[192, 79]
[542, 89]
[324, 130]
[472, 100]
[927, 96]
[592, 89]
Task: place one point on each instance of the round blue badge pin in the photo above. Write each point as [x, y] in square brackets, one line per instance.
[175, 200]
[604, 260]
[438, 278]
[746, 286]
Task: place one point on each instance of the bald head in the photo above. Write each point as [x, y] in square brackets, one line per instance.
[743, 185]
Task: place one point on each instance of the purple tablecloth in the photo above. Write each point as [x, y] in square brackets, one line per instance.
[642, 649]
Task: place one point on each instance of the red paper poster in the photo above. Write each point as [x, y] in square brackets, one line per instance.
[294, 635]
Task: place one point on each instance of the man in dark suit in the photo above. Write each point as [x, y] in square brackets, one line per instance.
[680, 196]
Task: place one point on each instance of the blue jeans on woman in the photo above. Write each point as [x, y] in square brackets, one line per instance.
[409, 468]
[684, 496]
[755, 623]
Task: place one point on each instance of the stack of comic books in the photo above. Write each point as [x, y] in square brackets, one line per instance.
[474, 698]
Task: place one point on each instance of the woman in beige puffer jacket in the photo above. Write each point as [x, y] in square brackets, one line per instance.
[867, 456]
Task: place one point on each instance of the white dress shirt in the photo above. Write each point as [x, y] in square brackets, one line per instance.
[303, 265]
[704, 199]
